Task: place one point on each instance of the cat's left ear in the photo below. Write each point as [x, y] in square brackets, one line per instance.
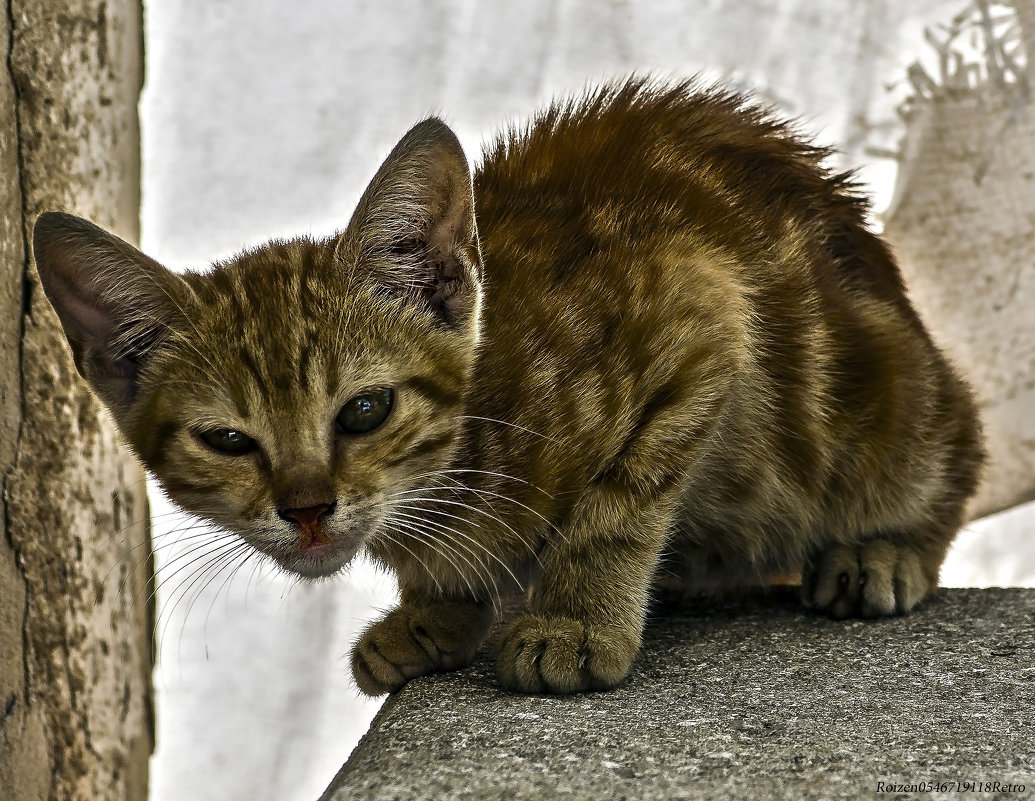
[115, 304]
[415, 224]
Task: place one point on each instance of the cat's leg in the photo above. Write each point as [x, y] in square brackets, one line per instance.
[877, 577]
[690, 573]
[587, 608]
[896, 566]
[422, 635]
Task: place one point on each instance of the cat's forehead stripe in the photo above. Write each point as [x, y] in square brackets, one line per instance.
[272, 304]
[305, 359]
[434, 443]
[157, 451]
[435, 391]
[245, 355]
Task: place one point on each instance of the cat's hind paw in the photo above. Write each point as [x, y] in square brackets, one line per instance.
[559, 655]
[876, 578]
[414, 640]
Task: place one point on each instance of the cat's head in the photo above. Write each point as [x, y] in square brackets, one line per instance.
[293, 392]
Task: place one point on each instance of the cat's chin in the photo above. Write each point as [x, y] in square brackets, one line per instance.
[319, 562]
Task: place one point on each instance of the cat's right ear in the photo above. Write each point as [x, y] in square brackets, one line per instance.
[115, 304]
[415, 224]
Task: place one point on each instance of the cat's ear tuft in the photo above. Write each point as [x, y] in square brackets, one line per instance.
[415, 224]
[115, 304]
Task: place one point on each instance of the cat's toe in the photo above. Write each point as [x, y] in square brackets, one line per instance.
[412, 641]
[876, 578]
[387, 655]
[559, 655]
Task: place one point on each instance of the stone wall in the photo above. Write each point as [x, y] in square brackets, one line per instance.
[76, 718]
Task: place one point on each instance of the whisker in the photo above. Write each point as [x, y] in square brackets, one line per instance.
[429, 540]
[382, 534]
[257, 567]
[189, 555]
[467, 537]
[504, 423]
[227, 582]
[457, 485]
[206, 578]
[191, 558]
[528, 509]
[493, 473]
[431, 510]
[133, 565]
[419, 499]
[207, 573]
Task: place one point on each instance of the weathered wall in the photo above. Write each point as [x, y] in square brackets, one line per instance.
[24, 771]
[963, 226]
[75, 641]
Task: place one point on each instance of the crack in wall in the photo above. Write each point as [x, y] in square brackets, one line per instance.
[9, 707]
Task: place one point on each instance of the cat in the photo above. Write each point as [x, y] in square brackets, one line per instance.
[649, 346]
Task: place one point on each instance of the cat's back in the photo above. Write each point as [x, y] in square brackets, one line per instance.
[645, 244]
[634, 136]
[639, 164]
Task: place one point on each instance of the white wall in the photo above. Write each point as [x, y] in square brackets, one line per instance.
[265, 118]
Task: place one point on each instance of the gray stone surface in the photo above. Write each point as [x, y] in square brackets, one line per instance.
[754, 699]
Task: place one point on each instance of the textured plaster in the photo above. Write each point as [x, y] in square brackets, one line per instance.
[24, 768]
[963, 226]
[75, 551]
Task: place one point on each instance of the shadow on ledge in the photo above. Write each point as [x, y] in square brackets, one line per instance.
[752, 700]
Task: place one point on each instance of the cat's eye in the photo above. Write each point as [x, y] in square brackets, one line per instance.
[365, 412]
[228, 441]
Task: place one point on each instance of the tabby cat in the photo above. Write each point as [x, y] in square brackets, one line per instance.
[651, 347]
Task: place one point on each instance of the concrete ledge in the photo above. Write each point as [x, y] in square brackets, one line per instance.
[754, 699]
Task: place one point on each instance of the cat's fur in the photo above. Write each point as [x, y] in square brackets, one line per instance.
[669, 353]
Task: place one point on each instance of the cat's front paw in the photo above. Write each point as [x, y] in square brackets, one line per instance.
[560, 655]
[413, 640]
[871, 579]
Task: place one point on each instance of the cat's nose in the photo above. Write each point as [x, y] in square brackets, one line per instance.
[307, 515]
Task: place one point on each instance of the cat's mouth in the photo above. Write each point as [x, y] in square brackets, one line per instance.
[318, 553]
[313, 535]
[315, 549]
[319, 559]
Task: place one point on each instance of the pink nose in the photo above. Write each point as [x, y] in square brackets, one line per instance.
[307, 515]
